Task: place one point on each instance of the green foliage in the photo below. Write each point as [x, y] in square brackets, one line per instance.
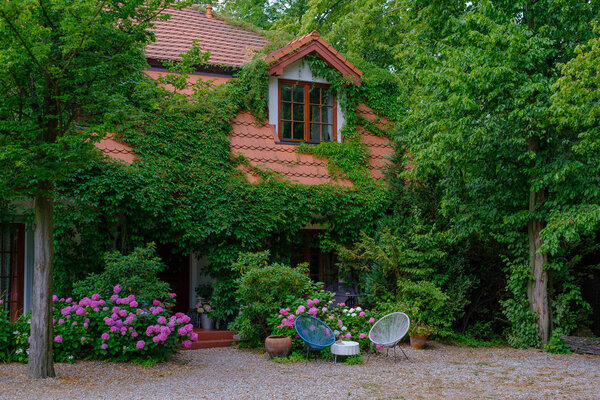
[294, 357]
[262, 289]
[6, 335]
[354, 360]
[136, 273]
[556, 345]
[523, 329]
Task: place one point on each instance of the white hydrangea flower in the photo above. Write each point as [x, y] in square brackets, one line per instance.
[358, 309]
[353, 314]
[71, 357]
[344, 328]
[336, 332]
[18, 351]
[16, 332]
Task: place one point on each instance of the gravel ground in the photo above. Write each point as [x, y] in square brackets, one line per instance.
[439, 372]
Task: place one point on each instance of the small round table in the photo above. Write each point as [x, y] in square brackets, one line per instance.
[344, 348]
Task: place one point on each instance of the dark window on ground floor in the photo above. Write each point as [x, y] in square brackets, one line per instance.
[306, 249]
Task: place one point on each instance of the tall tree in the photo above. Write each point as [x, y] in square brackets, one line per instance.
[481, 77]
[63, 62]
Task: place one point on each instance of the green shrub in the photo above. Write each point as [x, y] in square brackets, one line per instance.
[262, 290]
[136, 273]
[556, 345]
[6, 341]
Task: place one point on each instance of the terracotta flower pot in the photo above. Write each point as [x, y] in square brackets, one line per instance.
[418, 341]
[278, 346]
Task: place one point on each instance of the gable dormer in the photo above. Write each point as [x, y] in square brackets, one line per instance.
[302, 106]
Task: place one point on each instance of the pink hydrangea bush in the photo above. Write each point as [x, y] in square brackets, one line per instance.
[117, 329]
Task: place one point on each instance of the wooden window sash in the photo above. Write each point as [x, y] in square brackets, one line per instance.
[307, 104]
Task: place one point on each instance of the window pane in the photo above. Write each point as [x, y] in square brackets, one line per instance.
[299, 94]
[315, 95]
[286, 110]
[315, 114]
[286, 93]
[286, 130]
[327, 133]
[327, 116]
[299, 131]
[315, 132]
[298, 112]
[327, 97]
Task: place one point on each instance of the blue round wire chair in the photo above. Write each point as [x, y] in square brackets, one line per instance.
[314, 332]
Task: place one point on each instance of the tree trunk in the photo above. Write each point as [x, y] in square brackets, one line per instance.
[537, 289]
[40, 350]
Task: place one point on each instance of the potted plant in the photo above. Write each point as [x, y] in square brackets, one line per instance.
[418, 334]
[204, 309]
[419, 329]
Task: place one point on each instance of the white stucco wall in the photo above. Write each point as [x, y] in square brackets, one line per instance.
[298, 71]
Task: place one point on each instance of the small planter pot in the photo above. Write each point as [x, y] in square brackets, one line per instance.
[418, 341]
[278, 346]
[206, 322]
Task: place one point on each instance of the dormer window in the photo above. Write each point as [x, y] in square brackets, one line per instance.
[306, 112]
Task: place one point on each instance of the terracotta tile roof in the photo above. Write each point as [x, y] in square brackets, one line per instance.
[116, 150]
[260, 145]
[228, 45]
[310, 43]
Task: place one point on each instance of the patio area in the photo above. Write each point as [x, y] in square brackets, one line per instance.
[439, 372]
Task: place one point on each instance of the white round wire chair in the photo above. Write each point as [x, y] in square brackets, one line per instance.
[389, 330]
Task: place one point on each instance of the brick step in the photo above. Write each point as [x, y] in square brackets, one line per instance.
[214, 334]
[208, 344]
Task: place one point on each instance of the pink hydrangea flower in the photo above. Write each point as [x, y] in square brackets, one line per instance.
[361, 314]
[309, 302]
[324, 309]
[313, 311]
[134, 304]
[156, 339]
[149, 330]
[173, 295]
[342, 304]
[362, 335]
[117, 289]
[194, 336]
[95, 297]
[54, 298]
[61, 321]
[104, 346]
[134, 334]
[283, 312]
[140, 344]
[114, 298]
[300, 310]
[379, 347]
[80, 311]
[156, 303]
[113, 329]
[123, 313]
[68, 300]
[105, 336]
[348, 335]
[371, 320]
[74, 323]
[83, 338]
[316, 301]
[187, 344]
[58, 339]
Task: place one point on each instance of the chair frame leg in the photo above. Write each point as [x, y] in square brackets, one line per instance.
[307, 355]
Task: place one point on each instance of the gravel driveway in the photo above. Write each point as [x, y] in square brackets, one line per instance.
[439, 372]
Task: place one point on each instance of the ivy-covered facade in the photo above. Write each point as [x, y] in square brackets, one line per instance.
[240, 157]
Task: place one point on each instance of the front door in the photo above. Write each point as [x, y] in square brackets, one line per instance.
[177, 275]
[12, 268]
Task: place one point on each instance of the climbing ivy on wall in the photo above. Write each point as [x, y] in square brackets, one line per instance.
[185, 188]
